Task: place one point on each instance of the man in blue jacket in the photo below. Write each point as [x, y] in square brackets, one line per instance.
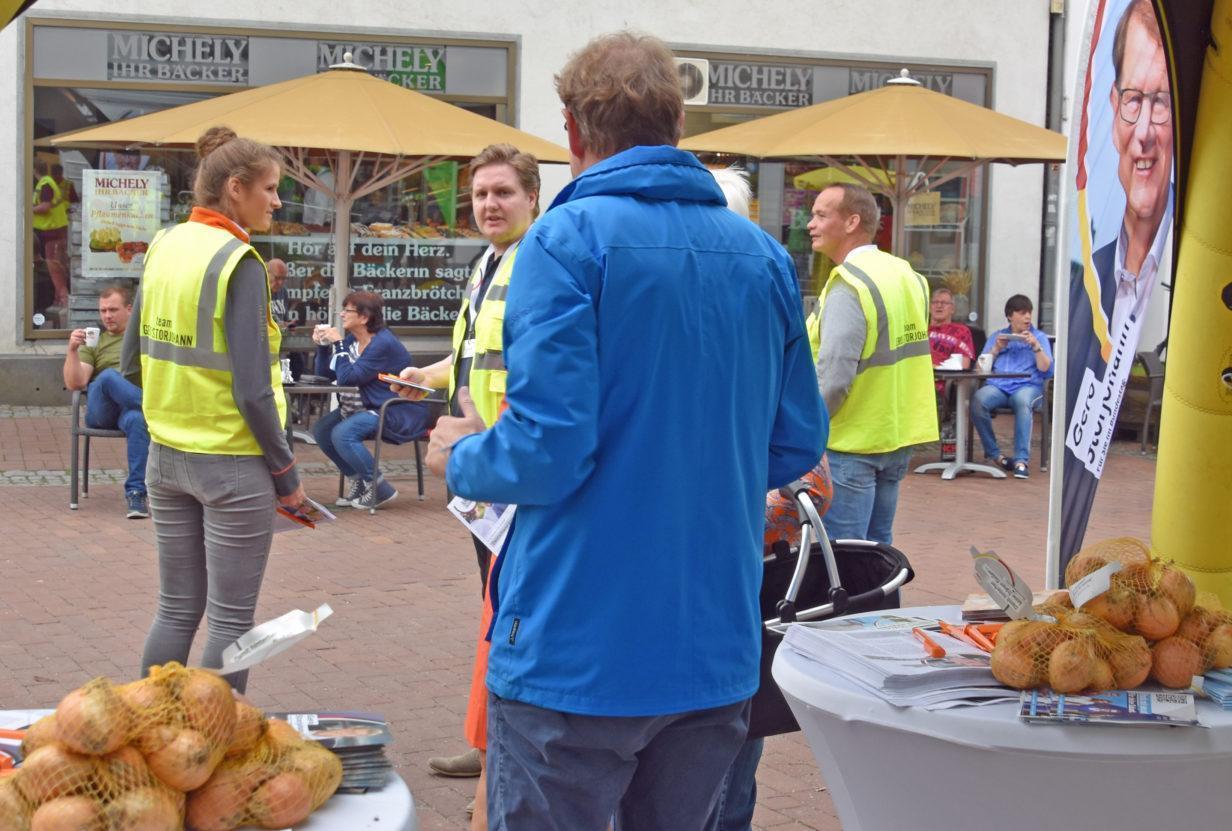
[660, 382]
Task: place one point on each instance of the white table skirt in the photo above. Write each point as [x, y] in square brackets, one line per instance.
[892, 769]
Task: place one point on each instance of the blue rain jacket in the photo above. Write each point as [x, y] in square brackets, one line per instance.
[660, 382]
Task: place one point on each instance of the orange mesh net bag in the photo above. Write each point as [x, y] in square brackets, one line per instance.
[1078, 652]
[276, 783]
[57, 788]
[1146, 597]
[1203, 641]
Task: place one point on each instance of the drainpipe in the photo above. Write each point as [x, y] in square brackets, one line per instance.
[1050, 238]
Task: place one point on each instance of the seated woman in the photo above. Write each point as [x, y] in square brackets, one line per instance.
[355, 361]
[1019, 347]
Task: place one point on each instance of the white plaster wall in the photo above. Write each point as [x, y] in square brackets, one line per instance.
[1010, 35]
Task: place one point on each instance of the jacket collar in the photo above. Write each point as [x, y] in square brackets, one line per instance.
[661, 173]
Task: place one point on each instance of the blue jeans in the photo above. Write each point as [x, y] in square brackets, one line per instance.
[865, 494]
[1024, 401]
[554, 771]
[114, 403]
[342, 440]
[738, 793]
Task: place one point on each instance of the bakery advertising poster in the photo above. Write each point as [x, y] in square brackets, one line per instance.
[120, 215]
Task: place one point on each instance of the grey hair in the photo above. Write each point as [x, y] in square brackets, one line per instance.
[734, 182]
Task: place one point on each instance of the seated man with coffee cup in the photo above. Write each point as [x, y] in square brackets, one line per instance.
[1018, 348]
[112, 402]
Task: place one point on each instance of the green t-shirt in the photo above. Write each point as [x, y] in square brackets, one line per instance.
[104, 356]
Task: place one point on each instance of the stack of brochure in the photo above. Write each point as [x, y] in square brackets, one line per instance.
[359, 740]
[1218, 685]
[880, 654]
[1126, 707]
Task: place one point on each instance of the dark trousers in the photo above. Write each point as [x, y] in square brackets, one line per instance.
[553, 771]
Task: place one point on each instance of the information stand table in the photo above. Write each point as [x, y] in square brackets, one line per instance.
[908, 769]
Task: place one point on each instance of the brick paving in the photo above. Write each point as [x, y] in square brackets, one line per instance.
[79, 590]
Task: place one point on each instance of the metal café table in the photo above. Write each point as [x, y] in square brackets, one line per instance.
[296, 389]
[964, 380]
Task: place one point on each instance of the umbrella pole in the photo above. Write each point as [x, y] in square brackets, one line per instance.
[900, 204]
[342, 231]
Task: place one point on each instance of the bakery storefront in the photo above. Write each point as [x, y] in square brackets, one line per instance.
[945, 228]
[412, 242]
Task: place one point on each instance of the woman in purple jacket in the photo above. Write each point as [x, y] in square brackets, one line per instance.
[355, 360]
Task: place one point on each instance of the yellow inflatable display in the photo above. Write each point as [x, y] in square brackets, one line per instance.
[1193, 483]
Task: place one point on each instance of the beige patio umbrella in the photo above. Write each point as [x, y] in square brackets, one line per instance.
[345, 113]
[883, 128]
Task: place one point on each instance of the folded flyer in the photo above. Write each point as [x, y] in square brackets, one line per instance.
[489, 521]
[270, 638]
[307, 516]
[1125, 707]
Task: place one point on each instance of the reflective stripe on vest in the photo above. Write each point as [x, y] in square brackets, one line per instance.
[188, 400]
[891, 403]
[55, 218]
[488, 373]
[883, 354]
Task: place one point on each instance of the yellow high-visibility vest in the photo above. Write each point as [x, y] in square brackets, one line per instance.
[892, 402]
[57, 217]
[488, 373]
[185, 367]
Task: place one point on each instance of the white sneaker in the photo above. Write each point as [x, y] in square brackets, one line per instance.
[354, 495]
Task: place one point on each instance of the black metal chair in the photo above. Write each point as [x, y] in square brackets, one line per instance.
[437, 406]
[79, 462]
[1154, 367]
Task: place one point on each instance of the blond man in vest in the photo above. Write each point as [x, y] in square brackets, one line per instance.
[873, 364]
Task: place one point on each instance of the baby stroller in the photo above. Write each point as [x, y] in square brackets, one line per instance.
[836, 577]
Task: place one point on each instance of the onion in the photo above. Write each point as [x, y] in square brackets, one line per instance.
[1083, 564]
[1175, 662]
[221, 804]
[1131, 663]
[209, 705]
[1177, 587]
[281, 802]
[1102, 677]
[1197, 625]
[68, 813]
[321, 769]
[1156, 618]
[53, 771]
[42, 732]
[14, 810]
[126, 769]
[1115, 607]
[249, 728]
[93, 719]
[185, 762]
[145, 809]
[279, 734]
[1218, 646]
[1070, 667]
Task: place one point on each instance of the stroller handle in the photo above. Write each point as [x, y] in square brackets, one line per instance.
[810, 525]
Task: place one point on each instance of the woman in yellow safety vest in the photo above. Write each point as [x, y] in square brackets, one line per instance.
[219, 460]
[505, 201]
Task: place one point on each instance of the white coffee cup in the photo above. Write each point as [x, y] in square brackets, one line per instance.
[318, 330]
[984, 362]
[92, 333]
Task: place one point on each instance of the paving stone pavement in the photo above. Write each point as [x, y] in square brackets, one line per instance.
[79, 589]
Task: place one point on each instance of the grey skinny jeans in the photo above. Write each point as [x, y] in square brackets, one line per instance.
[213, 520]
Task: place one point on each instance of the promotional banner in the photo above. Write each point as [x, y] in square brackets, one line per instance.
[120, 215]
[1121, 193]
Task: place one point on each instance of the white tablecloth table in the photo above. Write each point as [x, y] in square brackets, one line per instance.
[390, 809]
[908, 769]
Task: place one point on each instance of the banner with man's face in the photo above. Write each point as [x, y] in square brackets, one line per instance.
[1122, 199]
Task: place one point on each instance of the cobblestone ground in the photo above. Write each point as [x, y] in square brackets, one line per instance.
[79, 590]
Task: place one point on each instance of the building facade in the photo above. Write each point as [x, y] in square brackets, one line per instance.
[73, 63]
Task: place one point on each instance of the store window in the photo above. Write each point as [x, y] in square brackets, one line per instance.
[944, 235]
[413, 242]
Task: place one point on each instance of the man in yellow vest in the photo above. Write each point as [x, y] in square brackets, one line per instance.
[52, 195]
[870, 336]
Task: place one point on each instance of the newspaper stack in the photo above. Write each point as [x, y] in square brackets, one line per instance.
[1218, 686]
[879, 654]
[358, 739]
